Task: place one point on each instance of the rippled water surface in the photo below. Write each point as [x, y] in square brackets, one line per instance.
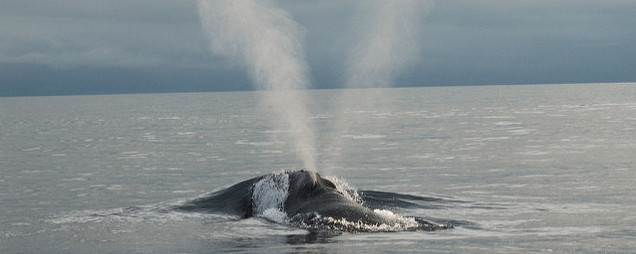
[544, 168]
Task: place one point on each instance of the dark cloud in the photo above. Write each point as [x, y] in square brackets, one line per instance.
[76, 47]
[148, 11]
[66, 34]
[508, 42]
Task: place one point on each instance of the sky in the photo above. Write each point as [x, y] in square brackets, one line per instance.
[68, 47]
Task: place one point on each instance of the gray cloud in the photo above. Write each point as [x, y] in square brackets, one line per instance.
[66, 34]
[461, 43]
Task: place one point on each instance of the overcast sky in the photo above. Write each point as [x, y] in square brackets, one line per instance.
[51, 47]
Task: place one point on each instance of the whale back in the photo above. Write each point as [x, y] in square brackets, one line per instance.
[235, 200]
[311, 195]
[310, 201]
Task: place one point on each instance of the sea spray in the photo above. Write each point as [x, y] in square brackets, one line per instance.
[267, 41]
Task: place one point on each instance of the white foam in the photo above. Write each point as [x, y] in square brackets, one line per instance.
[396, 223]
[399, 222]
[275, 215]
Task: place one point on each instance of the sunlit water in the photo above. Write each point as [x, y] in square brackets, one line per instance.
[519, 168]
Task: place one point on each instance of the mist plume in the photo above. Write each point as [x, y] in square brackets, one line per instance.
[268, 42]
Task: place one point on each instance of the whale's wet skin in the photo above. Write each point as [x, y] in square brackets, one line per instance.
[305, 199]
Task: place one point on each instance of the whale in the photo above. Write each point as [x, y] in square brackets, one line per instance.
[306, 199]
[310, 195]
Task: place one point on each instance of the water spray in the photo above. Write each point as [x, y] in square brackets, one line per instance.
[386, 35]
[267, 41]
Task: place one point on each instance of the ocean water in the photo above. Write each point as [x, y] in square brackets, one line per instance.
[516, 169]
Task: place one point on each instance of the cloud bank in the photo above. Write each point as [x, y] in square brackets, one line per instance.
[460, 43]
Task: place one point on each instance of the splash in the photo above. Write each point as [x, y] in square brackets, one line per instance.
[267, 41]
[398, 223]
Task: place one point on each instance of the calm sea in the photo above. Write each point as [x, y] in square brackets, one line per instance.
[525, 169]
